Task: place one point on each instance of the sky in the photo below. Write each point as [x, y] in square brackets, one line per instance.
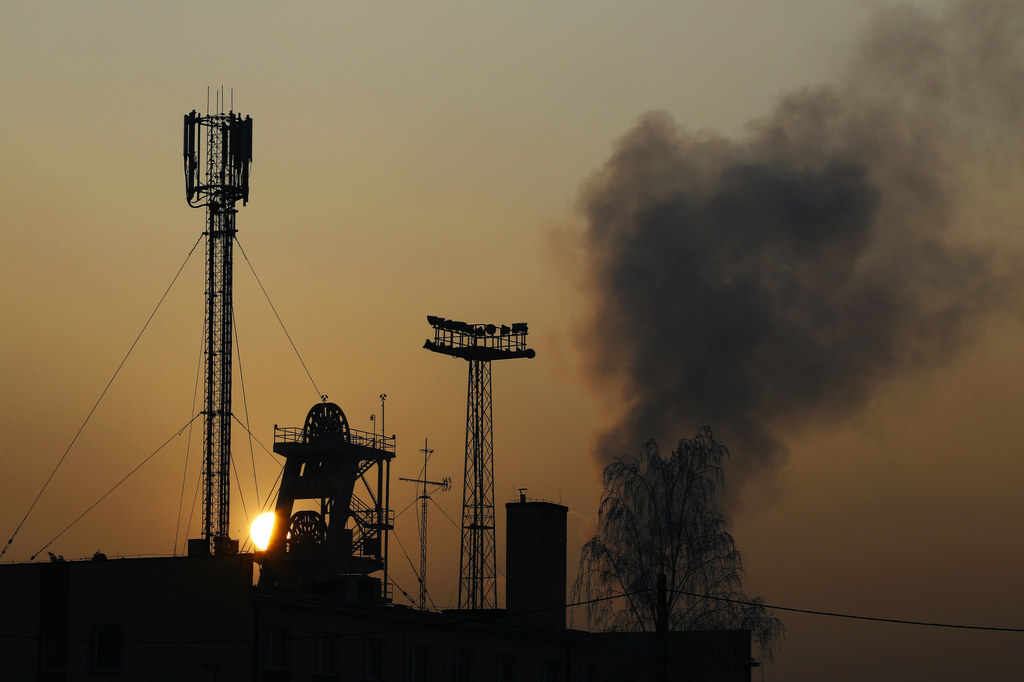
[578, 167]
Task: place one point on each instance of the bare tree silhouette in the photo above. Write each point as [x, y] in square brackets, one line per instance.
[659, 516]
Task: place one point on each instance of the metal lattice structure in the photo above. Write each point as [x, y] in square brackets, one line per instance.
[478, 344]
[332, 517]
[444, 484]
[477, 580]
[218, 153]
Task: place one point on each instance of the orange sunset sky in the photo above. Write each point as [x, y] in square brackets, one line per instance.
[446, 158]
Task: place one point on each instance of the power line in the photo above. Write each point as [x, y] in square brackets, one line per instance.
[116, 485]
[407, 508]
[98, 400]
[245, 427]
[444, 512]
[270, 494]
[241, 497]
[279, 321]
[188, 446]
[449, 619]
[414, 571]
[192, 509]
[245, 408]
[497, 616]
[850, 616]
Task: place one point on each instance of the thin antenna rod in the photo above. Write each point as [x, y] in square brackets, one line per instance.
[444, 483]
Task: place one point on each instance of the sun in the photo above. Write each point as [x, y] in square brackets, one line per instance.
[261, 529]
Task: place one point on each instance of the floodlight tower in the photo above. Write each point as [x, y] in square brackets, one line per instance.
[218, 153]
[478, 344]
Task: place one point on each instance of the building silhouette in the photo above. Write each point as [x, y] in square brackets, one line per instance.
[315, 605]
[314, 609]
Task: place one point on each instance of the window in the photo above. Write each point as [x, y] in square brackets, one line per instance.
[323, 662]
[419, 671]
[463, 665]
[105, 648]
[54, 654]
[276, 651]
[549, 671]
[373, 660]
[506, 668]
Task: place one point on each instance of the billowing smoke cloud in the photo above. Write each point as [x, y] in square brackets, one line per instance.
[759, 283]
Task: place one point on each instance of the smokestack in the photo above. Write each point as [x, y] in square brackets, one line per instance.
[535, 537]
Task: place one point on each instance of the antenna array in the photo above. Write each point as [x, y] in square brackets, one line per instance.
[218, 153]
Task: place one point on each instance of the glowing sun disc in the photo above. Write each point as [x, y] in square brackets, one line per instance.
[261, 529]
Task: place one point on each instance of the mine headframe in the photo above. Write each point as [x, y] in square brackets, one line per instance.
[332, 516]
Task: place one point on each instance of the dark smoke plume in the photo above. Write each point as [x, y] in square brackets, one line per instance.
[760, 283]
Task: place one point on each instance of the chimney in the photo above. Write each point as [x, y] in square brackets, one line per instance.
[535, 538]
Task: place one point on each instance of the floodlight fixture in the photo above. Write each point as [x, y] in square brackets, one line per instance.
[478, 344]
[478, 341]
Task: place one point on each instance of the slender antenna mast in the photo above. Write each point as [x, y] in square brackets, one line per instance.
[445, 483]
[218, 153]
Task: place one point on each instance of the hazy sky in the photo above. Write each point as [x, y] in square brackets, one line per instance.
[444, 158]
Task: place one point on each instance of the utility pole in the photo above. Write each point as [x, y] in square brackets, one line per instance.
[445, 483]
[661, 616]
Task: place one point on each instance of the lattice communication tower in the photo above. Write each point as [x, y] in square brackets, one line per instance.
[478, 344]
[218, 154]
